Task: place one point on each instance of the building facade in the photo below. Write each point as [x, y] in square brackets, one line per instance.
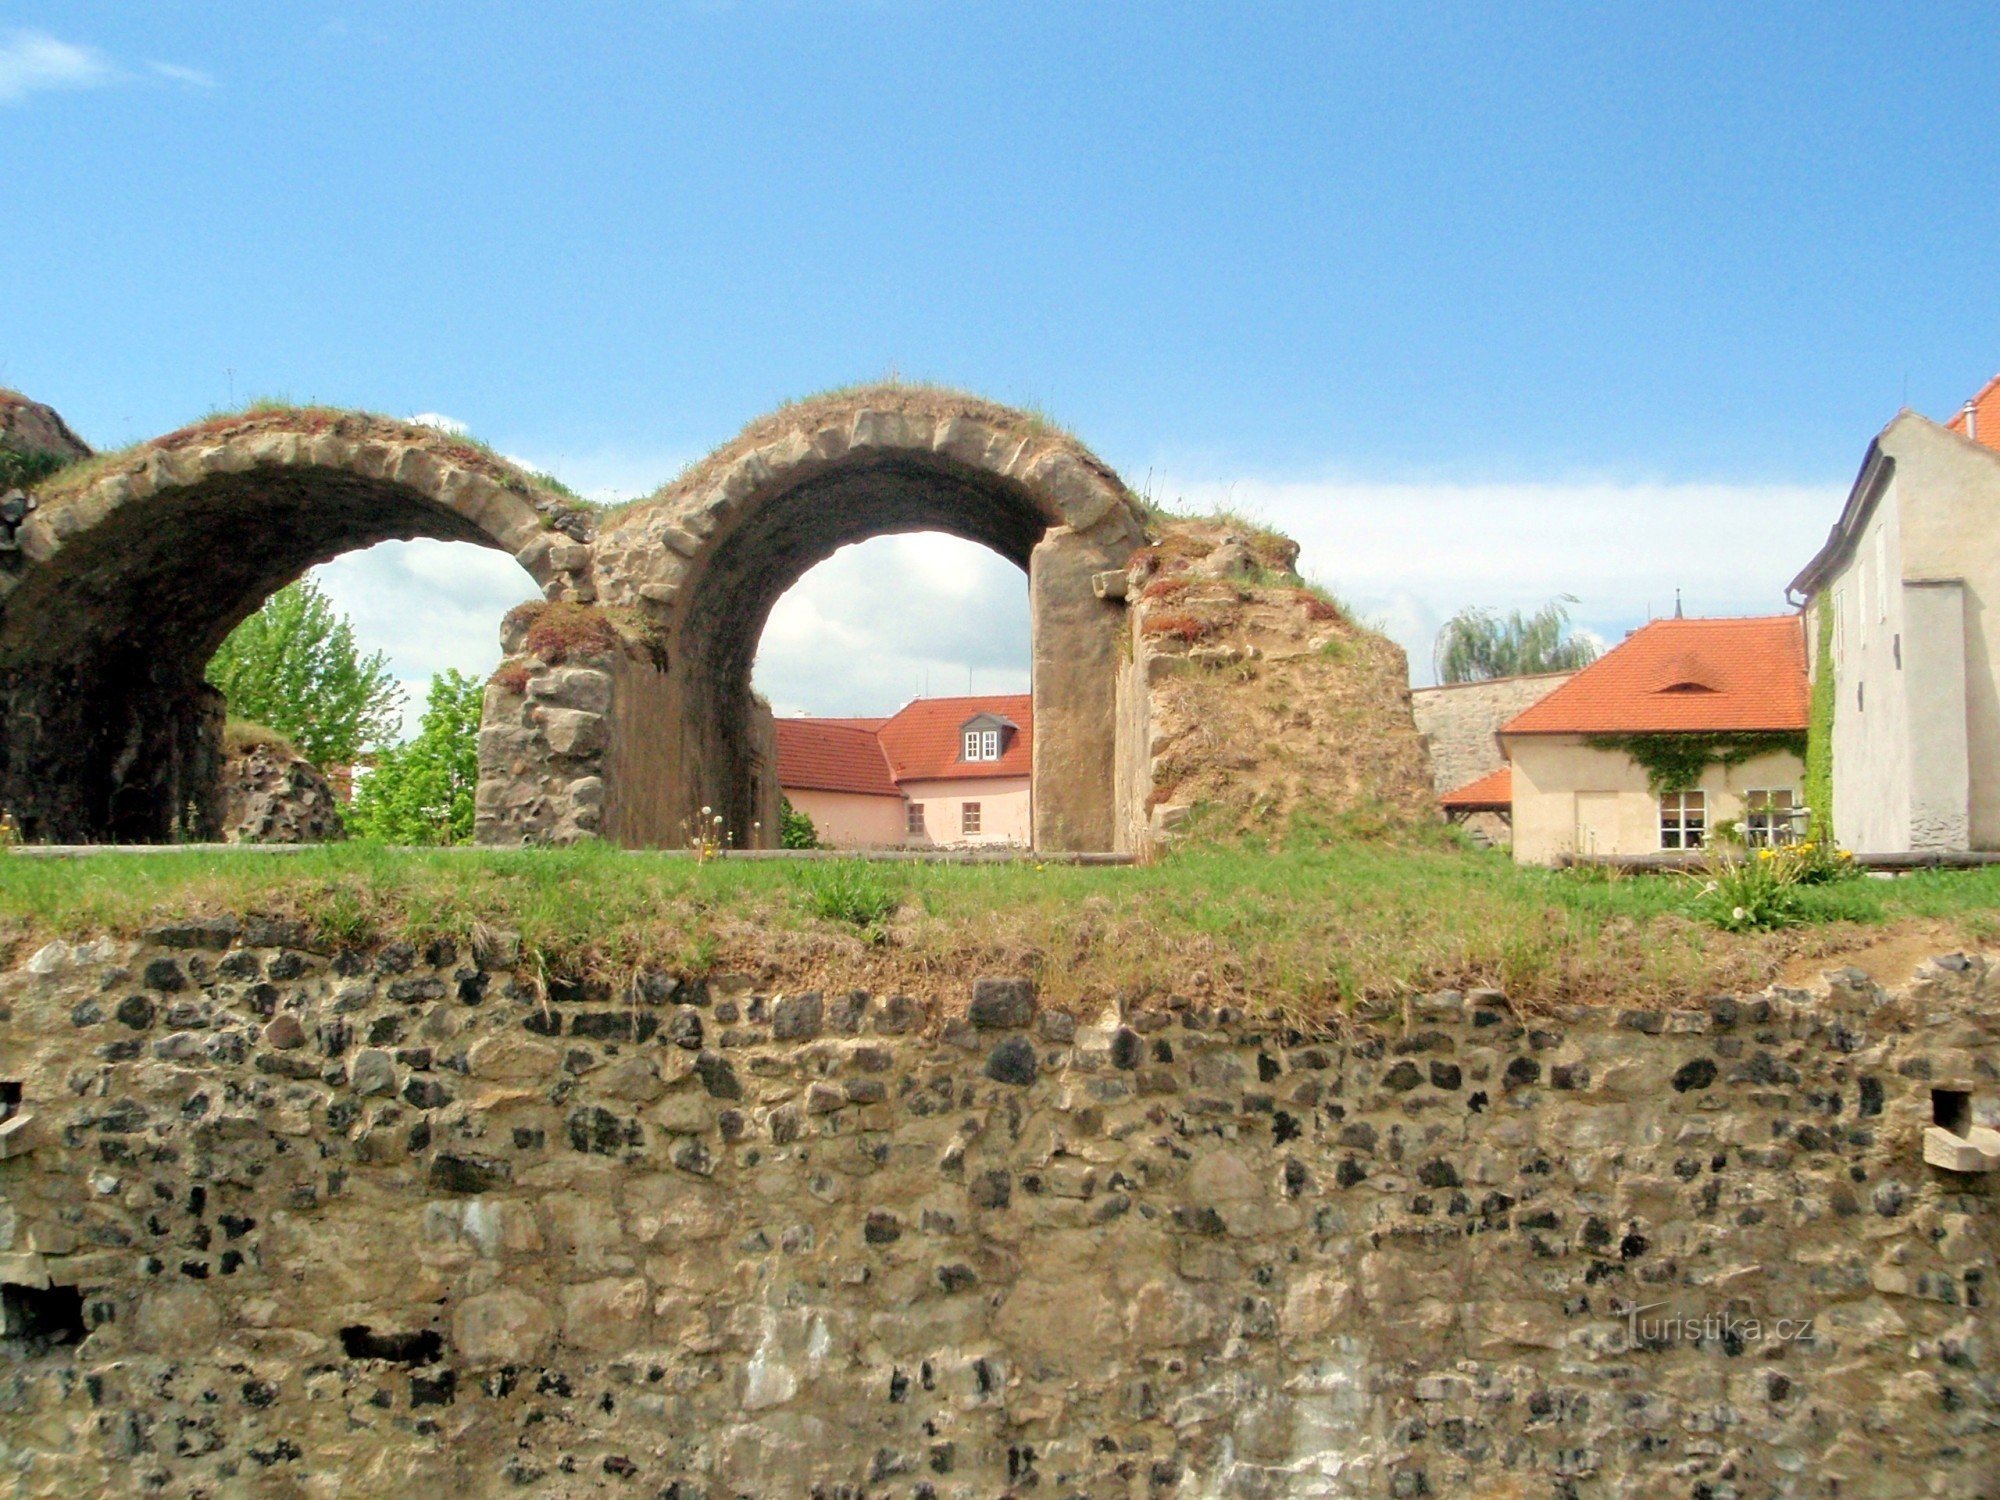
[1903, 612]
[1730, 693]
[939, 773]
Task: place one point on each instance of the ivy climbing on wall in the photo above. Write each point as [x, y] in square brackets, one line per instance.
[1674, 762]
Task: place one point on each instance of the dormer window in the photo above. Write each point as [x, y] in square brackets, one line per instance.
[984, 737]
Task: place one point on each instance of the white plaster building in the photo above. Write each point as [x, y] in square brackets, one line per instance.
[1903, 609]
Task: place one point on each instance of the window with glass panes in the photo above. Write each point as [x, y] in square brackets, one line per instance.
[1683, 820]
[982, 744]
[968, 818]
[913, 819]
[1772, 817]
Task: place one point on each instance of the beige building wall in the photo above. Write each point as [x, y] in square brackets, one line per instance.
[1572, 799]
[1916, 651]
[1004, 812]
[851, 820]
[1460, 723]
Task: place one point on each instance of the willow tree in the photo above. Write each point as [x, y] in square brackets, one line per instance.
[1477, 644]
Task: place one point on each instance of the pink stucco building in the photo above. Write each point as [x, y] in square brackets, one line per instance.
[940, 772]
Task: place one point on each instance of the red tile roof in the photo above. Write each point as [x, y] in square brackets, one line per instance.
[1985, 414]
[832, 755]
[923, 742]
[1683, 675]
[1493, 791]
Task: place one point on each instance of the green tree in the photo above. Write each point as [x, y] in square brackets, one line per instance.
[294, 667]
[1478, 644]
[795, 829]
[421, 792]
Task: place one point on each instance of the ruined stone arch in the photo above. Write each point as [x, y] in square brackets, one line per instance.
[134, 567]
[694, 572]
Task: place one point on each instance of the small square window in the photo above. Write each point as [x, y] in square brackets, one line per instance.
[1772, 818]
[968, 817]
[1683, 820]
[913, 819]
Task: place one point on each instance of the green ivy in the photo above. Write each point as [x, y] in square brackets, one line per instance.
[1674, 762]
[1819, 732]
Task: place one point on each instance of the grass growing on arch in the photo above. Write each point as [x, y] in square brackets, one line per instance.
[1311, 931]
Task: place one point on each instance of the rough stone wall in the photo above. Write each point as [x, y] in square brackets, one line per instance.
[545, 730]
[133, 567]
[398, 1223]
[272, 796]
[30, 427]
[1459, 722]
[1253, 704]
[703, 562]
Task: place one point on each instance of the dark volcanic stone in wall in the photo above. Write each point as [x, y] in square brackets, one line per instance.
[322, 1216]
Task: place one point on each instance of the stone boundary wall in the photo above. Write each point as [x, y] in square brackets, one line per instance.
[400, 1223]
[1459, 720]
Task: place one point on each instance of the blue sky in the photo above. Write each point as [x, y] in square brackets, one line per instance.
[1635, 285]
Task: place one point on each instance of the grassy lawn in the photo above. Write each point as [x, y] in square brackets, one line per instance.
[1302, 933]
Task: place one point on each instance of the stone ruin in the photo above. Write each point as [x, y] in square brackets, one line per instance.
[624, 706]
[284, 1218]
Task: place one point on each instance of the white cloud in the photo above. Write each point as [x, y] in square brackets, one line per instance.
[441, 422]
[1410, 555]
[877, 624]
[428, 606]
[193, 78]
[33, 62]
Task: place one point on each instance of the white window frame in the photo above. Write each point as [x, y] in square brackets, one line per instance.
[913, 820]
[970, 817]
[1683, 819]
[1763, 828]
[982, 744]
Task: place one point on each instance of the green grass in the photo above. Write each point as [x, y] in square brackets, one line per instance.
[1304, 934]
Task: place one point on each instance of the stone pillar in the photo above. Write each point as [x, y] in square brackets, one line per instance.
[1076, 651]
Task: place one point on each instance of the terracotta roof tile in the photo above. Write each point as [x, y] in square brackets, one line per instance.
[922, 740]
[1985, 425]
[832, 755]
[1493, 790]
[1683, 675]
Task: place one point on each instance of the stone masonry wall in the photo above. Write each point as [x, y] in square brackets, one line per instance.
[1458, 722]
[399, 1223]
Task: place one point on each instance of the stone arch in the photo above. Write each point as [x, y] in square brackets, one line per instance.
[701, 564]
[133, 567]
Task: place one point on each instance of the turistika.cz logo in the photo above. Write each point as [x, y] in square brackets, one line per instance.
[1650, 1325]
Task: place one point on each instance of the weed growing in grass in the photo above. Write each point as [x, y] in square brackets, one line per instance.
[1748, 892]
[850, 890]
[1762, 890]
